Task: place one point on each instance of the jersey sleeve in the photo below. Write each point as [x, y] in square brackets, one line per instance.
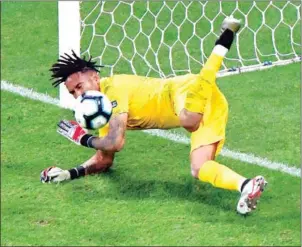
[119, 105]
[118, 96]
[119, 101]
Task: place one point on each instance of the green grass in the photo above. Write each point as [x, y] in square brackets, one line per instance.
[264, 114]
[150, 35]
[134, 204]
[149, 197]
[29, 40]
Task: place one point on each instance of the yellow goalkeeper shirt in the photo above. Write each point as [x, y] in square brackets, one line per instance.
[156, 103]
[148, 101]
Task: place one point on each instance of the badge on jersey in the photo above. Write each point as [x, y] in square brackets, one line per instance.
[114, 103]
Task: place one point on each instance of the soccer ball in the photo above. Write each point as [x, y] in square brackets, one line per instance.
[93, 110]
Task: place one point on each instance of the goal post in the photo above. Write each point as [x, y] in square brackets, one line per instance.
[168, 38]
[69, 39]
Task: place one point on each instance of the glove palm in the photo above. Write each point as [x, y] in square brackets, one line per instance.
[54, 174]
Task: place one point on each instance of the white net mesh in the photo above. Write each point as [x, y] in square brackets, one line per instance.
[172, 38]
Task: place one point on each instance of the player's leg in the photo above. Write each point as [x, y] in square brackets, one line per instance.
[190, 120]
[99, 162]
[206, 169]
[206, 143]
[199, 92]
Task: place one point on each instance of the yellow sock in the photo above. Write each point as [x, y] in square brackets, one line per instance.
[220, 176]
[213, 64]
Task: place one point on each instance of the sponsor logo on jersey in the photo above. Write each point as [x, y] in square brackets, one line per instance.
[114, 103]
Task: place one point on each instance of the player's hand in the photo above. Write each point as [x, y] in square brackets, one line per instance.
[54, 174]
[71, 130]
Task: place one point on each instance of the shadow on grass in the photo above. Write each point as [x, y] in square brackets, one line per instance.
[123, 187]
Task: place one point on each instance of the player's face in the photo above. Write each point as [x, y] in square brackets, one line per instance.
[78, 83]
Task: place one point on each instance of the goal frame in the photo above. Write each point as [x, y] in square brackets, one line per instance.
[69, 21]
[70, 39]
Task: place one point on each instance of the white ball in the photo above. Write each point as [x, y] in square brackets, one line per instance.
[93, 110]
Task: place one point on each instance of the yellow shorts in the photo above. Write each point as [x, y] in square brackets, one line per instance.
[215, 114]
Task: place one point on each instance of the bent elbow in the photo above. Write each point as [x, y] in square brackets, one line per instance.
[119, 145]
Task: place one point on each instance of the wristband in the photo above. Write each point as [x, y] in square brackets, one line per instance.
[86, 140]
[77, 172]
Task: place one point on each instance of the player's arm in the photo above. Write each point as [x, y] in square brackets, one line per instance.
[112, 142]
[115, 139]
[106, 148]
[99, 162]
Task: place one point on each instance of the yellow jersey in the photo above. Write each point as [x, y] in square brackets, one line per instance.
[154, 103]
[148, 101]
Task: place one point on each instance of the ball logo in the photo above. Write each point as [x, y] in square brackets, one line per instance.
[93, 110]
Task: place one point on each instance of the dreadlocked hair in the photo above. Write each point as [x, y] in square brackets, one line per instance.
[68, 65]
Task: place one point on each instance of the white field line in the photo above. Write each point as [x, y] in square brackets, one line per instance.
[248, 158]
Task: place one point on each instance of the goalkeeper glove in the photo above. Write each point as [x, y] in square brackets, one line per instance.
[74, 132]
[54, 174]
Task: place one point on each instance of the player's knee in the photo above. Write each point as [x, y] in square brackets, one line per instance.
[190, 120]
[194, 173]
[190, 126]
[195, 167]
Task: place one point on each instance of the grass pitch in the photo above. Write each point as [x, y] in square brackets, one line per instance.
[149, 197]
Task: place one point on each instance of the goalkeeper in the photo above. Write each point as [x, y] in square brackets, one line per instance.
[191, 101]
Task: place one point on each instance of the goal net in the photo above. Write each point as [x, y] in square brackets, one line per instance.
[170, 38]
[167, 38]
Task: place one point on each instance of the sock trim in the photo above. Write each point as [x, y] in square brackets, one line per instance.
[220, 50]
[226, 39]
[77, 172]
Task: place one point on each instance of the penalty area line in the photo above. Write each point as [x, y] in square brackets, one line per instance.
[172, 136]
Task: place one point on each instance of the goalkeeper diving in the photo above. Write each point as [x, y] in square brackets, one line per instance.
[191, 101]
